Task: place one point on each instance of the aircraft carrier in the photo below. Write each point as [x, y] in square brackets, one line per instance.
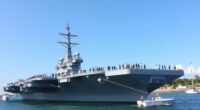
[119, 83]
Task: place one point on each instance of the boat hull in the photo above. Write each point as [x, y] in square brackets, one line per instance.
[148, 103]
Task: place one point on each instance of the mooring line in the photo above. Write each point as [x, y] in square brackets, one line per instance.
[124, 86]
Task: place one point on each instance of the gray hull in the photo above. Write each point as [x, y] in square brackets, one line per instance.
[88, 88]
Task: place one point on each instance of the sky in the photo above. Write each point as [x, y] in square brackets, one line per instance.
[111, 32]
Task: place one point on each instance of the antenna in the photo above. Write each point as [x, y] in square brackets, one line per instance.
[191, 67]
[68, 44]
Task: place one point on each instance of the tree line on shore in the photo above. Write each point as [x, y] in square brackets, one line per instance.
[185, 81]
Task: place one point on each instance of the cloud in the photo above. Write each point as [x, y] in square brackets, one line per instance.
[179, 66]
[198, 70]
[191, 71]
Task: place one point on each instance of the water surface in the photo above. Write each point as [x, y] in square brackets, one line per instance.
[183, 102]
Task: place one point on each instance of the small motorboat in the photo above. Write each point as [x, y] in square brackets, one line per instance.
[191, 91]
[155, 101]
[5, 98]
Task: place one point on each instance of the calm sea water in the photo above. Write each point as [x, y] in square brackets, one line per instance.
[183, 102]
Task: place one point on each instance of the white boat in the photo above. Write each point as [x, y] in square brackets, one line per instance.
[157, 101]
[5, 97]
[191, 91]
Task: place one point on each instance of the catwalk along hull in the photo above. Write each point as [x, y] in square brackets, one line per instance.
[107, 86]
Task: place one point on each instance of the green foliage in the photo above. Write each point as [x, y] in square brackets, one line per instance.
[197, 79]
[166, 85]
[182, 82]
[186, 81]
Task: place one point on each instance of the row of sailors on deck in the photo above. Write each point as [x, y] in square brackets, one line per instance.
[127, 66]
[96, 69]
[163, 67]
[138, 66]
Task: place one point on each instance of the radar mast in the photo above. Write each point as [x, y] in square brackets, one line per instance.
[68, 44]
[69, 63]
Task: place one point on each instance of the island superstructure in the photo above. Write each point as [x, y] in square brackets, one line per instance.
[121, 83]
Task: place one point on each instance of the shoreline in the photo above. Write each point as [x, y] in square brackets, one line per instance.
[169, 90]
